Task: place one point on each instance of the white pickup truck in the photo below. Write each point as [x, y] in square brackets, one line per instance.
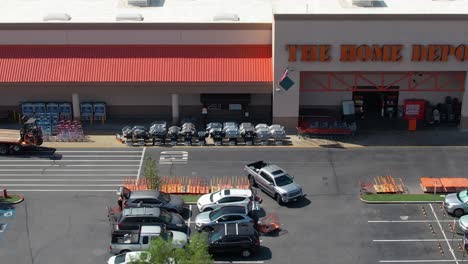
[126, 241]
[274, 181]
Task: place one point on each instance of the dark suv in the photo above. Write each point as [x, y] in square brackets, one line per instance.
[133, 218]
[234, 238]
[154, 198]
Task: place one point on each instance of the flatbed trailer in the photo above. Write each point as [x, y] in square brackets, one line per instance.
[13, 140]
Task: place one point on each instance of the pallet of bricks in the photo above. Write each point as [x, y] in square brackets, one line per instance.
[189, 185]
[388, 184]
[443, 185]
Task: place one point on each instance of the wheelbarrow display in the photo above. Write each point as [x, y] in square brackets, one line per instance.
[247, 132]
[158, 132]
[216, 133]
[231, 132]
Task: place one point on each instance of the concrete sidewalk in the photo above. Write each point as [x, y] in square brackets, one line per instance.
[447, 137]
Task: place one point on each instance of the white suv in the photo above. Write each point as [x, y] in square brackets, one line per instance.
[225, 197]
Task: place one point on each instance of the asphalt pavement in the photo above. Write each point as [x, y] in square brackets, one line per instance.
[69, 225]
[49, 170]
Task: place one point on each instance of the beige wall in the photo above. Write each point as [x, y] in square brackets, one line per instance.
[336, 32]
[141, 37]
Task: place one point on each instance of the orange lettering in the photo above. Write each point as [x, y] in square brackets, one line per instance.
[396, 53]
[445, 50]
[419, 53]
[364, 53]
[309, 52]
[348, 53]
[292, 52]
[433, 53]
[377, 53]
[324, 53]
[461, 53]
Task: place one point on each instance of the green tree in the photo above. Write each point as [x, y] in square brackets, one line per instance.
[196, 252]
[164, 252]
[152, 174]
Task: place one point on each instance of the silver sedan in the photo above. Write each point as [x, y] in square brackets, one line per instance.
[207, 221]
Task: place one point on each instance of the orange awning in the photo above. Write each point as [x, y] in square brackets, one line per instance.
[168, 64]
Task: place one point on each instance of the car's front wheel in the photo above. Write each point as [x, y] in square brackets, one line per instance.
[279, 200]
[246, 253]
[208, 209]
[459, 212]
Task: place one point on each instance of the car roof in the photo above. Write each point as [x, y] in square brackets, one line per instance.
[236, 192]
[272, 169]
[144, 194]
[139, 211]
[153, 229]
[236, 229]
[233, 210]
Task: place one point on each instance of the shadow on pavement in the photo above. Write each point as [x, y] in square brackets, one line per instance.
[262, 254]
[301, 203]
[37, 152]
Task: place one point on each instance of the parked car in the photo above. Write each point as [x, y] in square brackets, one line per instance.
[128, 257]
[274, 181]
[154, 198]
[211, 201]
[463, 223]
[457, 203]
[134, 218]
[232, 238]
[124, 241]
[241, 215]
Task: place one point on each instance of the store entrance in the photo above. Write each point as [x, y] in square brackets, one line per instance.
[376, 109]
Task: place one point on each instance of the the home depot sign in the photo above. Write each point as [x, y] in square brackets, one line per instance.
[378, 53]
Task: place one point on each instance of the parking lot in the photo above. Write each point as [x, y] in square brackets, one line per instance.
[416, 233]
[63, 219]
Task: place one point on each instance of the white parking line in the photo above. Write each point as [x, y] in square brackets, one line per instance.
[190, 216]
[108, 170]
[412, 240]
[141, 164]
[59, 190]
[102, 156]
[62, 185]
[58, 180]
[409, 221]
[68, 175]
[29, 165]
[241, 261]
[418, 261]
[99, 165]
[98, 151]
[66, 160]
[443, 233]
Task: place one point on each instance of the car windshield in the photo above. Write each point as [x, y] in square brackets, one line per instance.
[463, 196]
[283, 180]
[216, 236]
[215, 196]
[164, 197]
[166, 217]
[215, 214]
[119, 259]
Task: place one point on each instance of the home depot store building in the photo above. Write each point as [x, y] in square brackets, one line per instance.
[172, 70]
[332, 58]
